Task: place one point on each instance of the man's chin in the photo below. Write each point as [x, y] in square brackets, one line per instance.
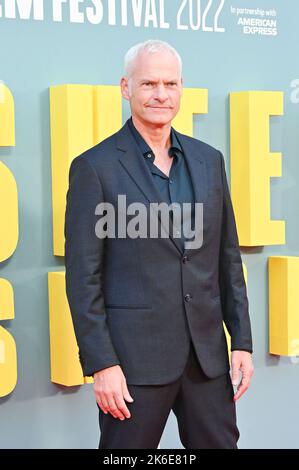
[159, 119]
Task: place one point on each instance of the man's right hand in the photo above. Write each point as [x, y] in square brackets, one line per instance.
[111, 391]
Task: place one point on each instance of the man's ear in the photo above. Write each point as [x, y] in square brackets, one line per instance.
[124, 88]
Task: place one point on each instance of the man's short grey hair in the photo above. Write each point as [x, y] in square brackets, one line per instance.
[151, 46]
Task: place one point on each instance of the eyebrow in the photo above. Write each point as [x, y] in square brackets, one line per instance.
[155, 81]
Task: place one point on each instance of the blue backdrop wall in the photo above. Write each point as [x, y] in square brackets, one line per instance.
[72, 47]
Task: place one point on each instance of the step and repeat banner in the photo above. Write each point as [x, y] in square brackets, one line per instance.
[60, 66]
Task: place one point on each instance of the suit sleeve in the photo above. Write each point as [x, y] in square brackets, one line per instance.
[84, 269]
[231, 277]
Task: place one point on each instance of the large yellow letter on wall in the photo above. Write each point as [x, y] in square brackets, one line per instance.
[9, 226]
[252, 165]
[283, 305]
[9, 233]
[81, 116]
[7, 310]
[8, 353]
[107, 111]
[8, 363]
[7, 117]
[65, 365]
[71, 134]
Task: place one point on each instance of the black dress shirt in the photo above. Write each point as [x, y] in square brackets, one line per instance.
[176, 188]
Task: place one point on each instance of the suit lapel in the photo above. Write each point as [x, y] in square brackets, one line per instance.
[133, 162]
[197, 166]
[198, 171]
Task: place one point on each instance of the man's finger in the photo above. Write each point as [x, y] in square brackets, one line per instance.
[242, 387]
[235, 373]
[113, 409]
[240, 392]
[101, 406]
[126, 393]
[122, 406]
[104, 401]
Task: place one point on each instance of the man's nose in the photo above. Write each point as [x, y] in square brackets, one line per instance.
[161, 93]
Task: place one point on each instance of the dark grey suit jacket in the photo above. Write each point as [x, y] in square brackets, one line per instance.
[128, 296]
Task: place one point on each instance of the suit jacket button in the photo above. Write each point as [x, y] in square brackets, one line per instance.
[185, 259]
[187, 297]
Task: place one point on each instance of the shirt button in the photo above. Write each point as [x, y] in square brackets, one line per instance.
[187, 297]
[185, 259]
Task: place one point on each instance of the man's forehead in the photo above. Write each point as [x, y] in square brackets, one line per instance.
[156, 66]
[158, 72]
[155, 59]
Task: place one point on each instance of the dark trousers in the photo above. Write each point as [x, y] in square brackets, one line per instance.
[204, 409]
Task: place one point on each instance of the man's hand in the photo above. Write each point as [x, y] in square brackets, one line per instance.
[241, 361]
[111, 391]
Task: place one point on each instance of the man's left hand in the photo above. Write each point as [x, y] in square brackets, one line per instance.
[241, 361]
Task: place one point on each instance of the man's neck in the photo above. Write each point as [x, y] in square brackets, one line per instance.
[157, 137]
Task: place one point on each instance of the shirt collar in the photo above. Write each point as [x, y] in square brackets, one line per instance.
[175, 147]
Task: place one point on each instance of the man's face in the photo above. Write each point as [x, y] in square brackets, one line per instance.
[155, 88]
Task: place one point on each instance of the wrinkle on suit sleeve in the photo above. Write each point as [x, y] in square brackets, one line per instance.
[84, 269]
[231, 277]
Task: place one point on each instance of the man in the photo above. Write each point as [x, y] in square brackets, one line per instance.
[148, 311]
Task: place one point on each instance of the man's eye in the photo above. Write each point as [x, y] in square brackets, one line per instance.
[172, 84]
[147, 83]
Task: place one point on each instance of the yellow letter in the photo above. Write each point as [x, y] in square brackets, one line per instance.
[9, 226]
[252, 165]
[65, 366]
[283, 305]
[8, 363]
[81, 116]
[8, 242]
[71, 134]
[8, 353]
[7, 117]
[107, 111]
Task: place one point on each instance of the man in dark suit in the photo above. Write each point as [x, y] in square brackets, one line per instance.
[148, 311]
